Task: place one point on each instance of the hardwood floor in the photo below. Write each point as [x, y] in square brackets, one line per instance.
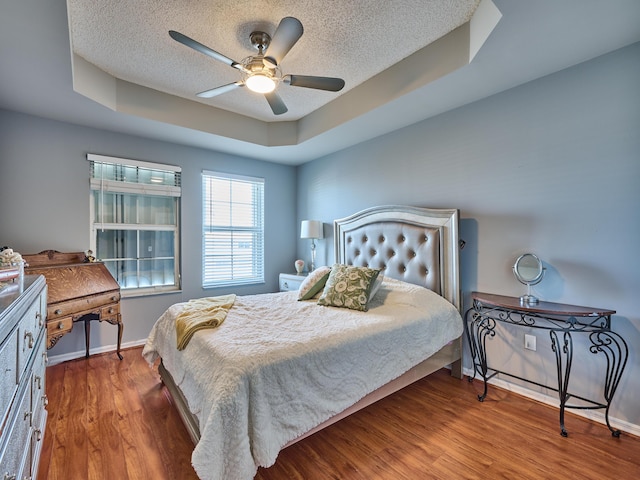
[111, 419]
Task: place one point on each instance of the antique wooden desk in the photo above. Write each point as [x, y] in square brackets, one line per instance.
[79, 290]
[561, 321]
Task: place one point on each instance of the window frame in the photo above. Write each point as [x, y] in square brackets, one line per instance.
[99, 186]
[257, 230]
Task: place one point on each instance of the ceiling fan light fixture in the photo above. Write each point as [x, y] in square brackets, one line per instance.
[258, 77]
[260, 83]
[261, 73]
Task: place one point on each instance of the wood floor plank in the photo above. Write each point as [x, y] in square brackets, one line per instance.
[106, 456]
[134, 416]
[126, 406]
[158, 415]
[142, 459]
[103, 408]
[70, 457]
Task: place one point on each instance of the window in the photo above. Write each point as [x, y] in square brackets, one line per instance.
[232, 230]
[134, 222]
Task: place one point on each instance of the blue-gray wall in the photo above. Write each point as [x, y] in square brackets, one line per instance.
[44, 204]
[551, 167]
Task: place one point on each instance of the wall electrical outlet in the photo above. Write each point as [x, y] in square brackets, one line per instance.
[530, 342]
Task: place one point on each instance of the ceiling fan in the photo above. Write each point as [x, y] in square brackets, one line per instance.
[261, 73]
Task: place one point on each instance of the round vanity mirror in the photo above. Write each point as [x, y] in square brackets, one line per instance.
[528, 270]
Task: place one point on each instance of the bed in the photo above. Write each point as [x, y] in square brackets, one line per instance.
[279, 369]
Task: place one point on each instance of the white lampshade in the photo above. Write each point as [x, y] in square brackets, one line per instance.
[311, 229]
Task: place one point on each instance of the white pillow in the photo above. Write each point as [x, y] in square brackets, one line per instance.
[376, 285]
[314, 283]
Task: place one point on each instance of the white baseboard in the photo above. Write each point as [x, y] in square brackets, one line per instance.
[55, 359]
[596, 416]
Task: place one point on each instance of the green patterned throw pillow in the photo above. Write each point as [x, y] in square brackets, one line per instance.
[349, 287]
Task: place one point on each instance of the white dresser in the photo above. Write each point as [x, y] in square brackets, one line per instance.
[23, 360]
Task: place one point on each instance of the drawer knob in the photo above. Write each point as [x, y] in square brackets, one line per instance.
[45, 400]
[61, 326]
[58, 311]
[29, 335]
[39, 317]
[9, 477]
[38, 380]
[38, 433]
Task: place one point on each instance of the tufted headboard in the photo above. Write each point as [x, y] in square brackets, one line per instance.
[413, 244]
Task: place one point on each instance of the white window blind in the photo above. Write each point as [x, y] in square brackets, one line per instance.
[135, 222]
[232, 229]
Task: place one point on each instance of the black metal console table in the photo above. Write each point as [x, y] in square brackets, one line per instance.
[561, 321]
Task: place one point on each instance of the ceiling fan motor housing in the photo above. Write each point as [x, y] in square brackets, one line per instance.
[268, 74]
[260, 41]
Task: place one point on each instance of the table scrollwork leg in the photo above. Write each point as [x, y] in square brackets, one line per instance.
[563, 370]
[616, 352]
[478, 328]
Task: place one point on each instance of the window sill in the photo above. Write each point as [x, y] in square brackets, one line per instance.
[146, 292]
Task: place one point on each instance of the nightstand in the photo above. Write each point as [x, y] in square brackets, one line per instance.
[291, 281]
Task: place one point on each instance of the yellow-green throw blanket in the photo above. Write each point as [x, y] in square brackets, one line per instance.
[201, 313]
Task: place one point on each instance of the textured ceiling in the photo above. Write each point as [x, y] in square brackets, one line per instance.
[353, 40]
[39, 77]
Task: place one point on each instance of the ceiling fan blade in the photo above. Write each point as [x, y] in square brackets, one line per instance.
[287, 34]
[276, 103]
[214, 92]
[191, 43]
[320, 83]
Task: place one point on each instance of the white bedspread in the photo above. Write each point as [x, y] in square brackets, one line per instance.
[278, 367]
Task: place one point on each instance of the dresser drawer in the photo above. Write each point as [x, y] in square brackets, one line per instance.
[43, 304]
[110, 312]
[59, 326]
[8, 375]
[38, 396]
[79, 306]
[27, 338]
[15, 448]
[35, 316]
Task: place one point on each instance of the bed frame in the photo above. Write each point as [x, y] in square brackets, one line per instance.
[413, 244]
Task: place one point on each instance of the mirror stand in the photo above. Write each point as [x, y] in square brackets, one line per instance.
[529, 271]
[528, 299]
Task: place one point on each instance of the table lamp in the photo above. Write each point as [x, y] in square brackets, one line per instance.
[313, 230]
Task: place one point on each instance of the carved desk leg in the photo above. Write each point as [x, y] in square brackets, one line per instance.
[120, 328]
[117, 320]
[87, 332]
